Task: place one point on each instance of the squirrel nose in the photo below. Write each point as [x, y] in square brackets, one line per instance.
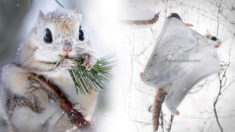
[67, 47]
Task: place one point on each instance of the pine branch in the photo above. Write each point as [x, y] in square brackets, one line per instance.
[86, 81]
[59, 98]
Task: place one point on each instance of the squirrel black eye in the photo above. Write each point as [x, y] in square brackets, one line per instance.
[214, 38]
[81, 34]
[48, 36]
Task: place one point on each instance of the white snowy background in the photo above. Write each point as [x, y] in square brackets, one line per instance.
[124, 106]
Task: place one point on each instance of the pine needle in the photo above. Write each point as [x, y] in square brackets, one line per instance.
[58, 62]
[96, 79]
[59, 3]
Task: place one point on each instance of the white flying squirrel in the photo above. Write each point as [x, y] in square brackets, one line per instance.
[27, 107]
[181, 58]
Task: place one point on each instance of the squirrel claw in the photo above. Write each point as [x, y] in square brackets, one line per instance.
[188, 24]
[218, 45]
[67, 64]
[89, 61]
[31, 90]
[142, 75]
[177, 112]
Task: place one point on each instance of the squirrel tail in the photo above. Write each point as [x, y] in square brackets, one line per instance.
[159, 99]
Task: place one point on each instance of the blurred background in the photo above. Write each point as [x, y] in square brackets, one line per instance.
[124, 105]
[18, 17]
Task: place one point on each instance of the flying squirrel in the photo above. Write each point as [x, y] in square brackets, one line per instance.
[162, 92]
[26, 106]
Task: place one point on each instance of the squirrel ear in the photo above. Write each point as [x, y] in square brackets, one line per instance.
[76, 11]
[41, 15]
[41, 18]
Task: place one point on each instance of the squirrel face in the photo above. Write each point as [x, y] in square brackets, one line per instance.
[58, 33]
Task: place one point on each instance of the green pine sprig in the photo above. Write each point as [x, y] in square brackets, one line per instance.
[96, 79]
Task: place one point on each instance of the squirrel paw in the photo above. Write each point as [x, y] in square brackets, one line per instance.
[188, 24]
[142, 76]
[67, 64]
[218, 45]
[89, 61]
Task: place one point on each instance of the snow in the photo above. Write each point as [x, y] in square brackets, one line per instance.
[128, 96]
